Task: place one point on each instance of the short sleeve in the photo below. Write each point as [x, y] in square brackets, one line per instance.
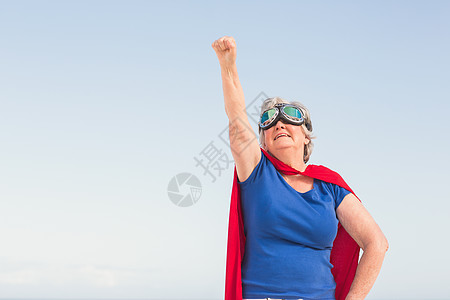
[339, 194]
[255, 172]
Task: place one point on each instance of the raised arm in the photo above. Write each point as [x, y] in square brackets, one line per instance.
[243, 142]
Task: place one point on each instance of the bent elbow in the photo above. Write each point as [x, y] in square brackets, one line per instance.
[379, 244]
[386, 245]
[383, 244]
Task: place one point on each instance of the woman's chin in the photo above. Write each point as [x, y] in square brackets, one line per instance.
[283, 145]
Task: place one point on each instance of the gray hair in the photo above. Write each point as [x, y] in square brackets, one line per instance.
[269, 103]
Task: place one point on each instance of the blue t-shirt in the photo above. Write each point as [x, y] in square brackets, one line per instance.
[289, 236]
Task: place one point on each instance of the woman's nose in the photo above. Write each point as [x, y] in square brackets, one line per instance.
[280, 124]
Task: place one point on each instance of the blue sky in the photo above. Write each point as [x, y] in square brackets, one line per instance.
[102, 103]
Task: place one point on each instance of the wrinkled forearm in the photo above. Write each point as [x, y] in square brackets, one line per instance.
[367, 272]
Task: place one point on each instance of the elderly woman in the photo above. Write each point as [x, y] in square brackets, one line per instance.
[295, 230]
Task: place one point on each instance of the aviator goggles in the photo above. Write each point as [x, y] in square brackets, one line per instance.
[288, 113]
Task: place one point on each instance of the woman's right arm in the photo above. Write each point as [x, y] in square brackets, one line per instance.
[243, 142]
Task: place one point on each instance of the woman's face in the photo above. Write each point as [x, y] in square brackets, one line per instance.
[283, 135]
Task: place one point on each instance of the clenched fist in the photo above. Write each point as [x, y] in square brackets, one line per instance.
[225, 48]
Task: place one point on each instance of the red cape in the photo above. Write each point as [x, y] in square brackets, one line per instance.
[344, 254]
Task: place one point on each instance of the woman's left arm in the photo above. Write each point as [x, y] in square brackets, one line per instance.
[362, 228]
